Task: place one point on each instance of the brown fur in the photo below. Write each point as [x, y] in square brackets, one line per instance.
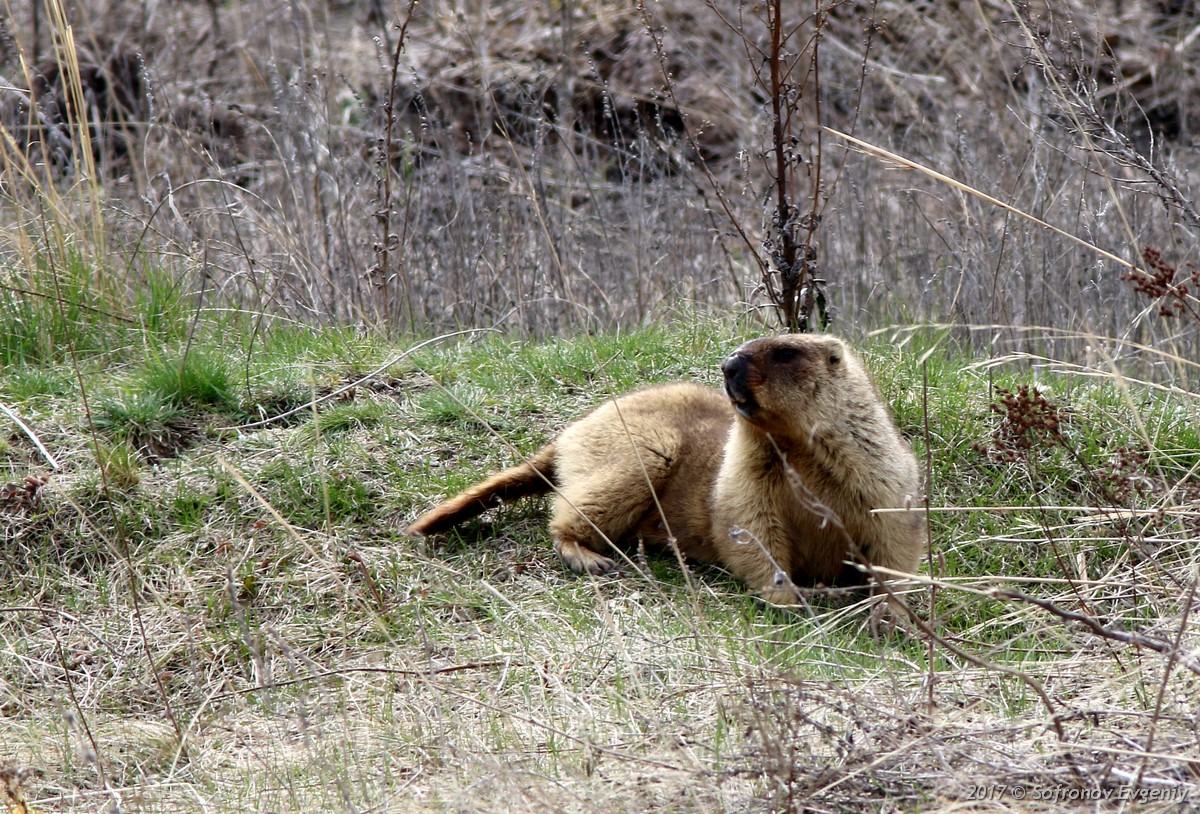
[775, 480]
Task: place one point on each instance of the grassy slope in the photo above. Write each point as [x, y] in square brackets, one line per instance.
[160, 593]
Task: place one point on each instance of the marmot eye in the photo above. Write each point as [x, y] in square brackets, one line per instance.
[783, 354]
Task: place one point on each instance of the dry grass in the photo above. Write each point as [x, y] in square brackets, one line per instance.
[241, 628]
[540, 177]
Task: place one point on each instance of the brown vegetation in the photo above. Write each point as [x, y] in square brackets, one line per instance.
[596, 165]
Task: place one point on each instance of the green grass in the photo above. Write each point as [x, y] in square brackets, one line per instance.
[276, 595]
[145, 419]
[197, 378]
[64, 308]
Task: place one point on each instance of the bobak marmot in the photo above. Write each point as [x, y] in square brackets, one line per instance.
[776, 480]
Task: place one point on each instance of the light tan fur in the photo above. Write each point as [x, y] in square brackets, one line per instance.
[775, 480]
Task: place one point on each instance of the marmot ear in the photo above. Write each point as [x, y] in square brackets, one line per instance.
[836, 351]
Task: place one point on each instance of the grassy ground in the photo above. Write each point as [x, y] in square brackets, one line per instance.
[206, 609]
[209, 212]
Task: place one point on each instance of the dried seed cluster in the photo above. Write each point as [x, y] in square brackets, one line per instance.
[1028, 420]
[1161, 281]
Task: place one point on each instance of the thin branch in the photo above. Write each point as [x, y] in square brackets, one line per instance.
[347, 387]
[909, 164]
[16, 419]
[1093, 625]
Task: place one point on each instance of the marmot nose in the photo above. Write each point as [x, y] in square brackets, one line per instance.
[737, 384]
[737, 374]
[734, 366]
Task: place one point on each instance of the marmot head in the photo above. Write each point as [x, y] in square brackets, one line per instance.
[785, 384]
